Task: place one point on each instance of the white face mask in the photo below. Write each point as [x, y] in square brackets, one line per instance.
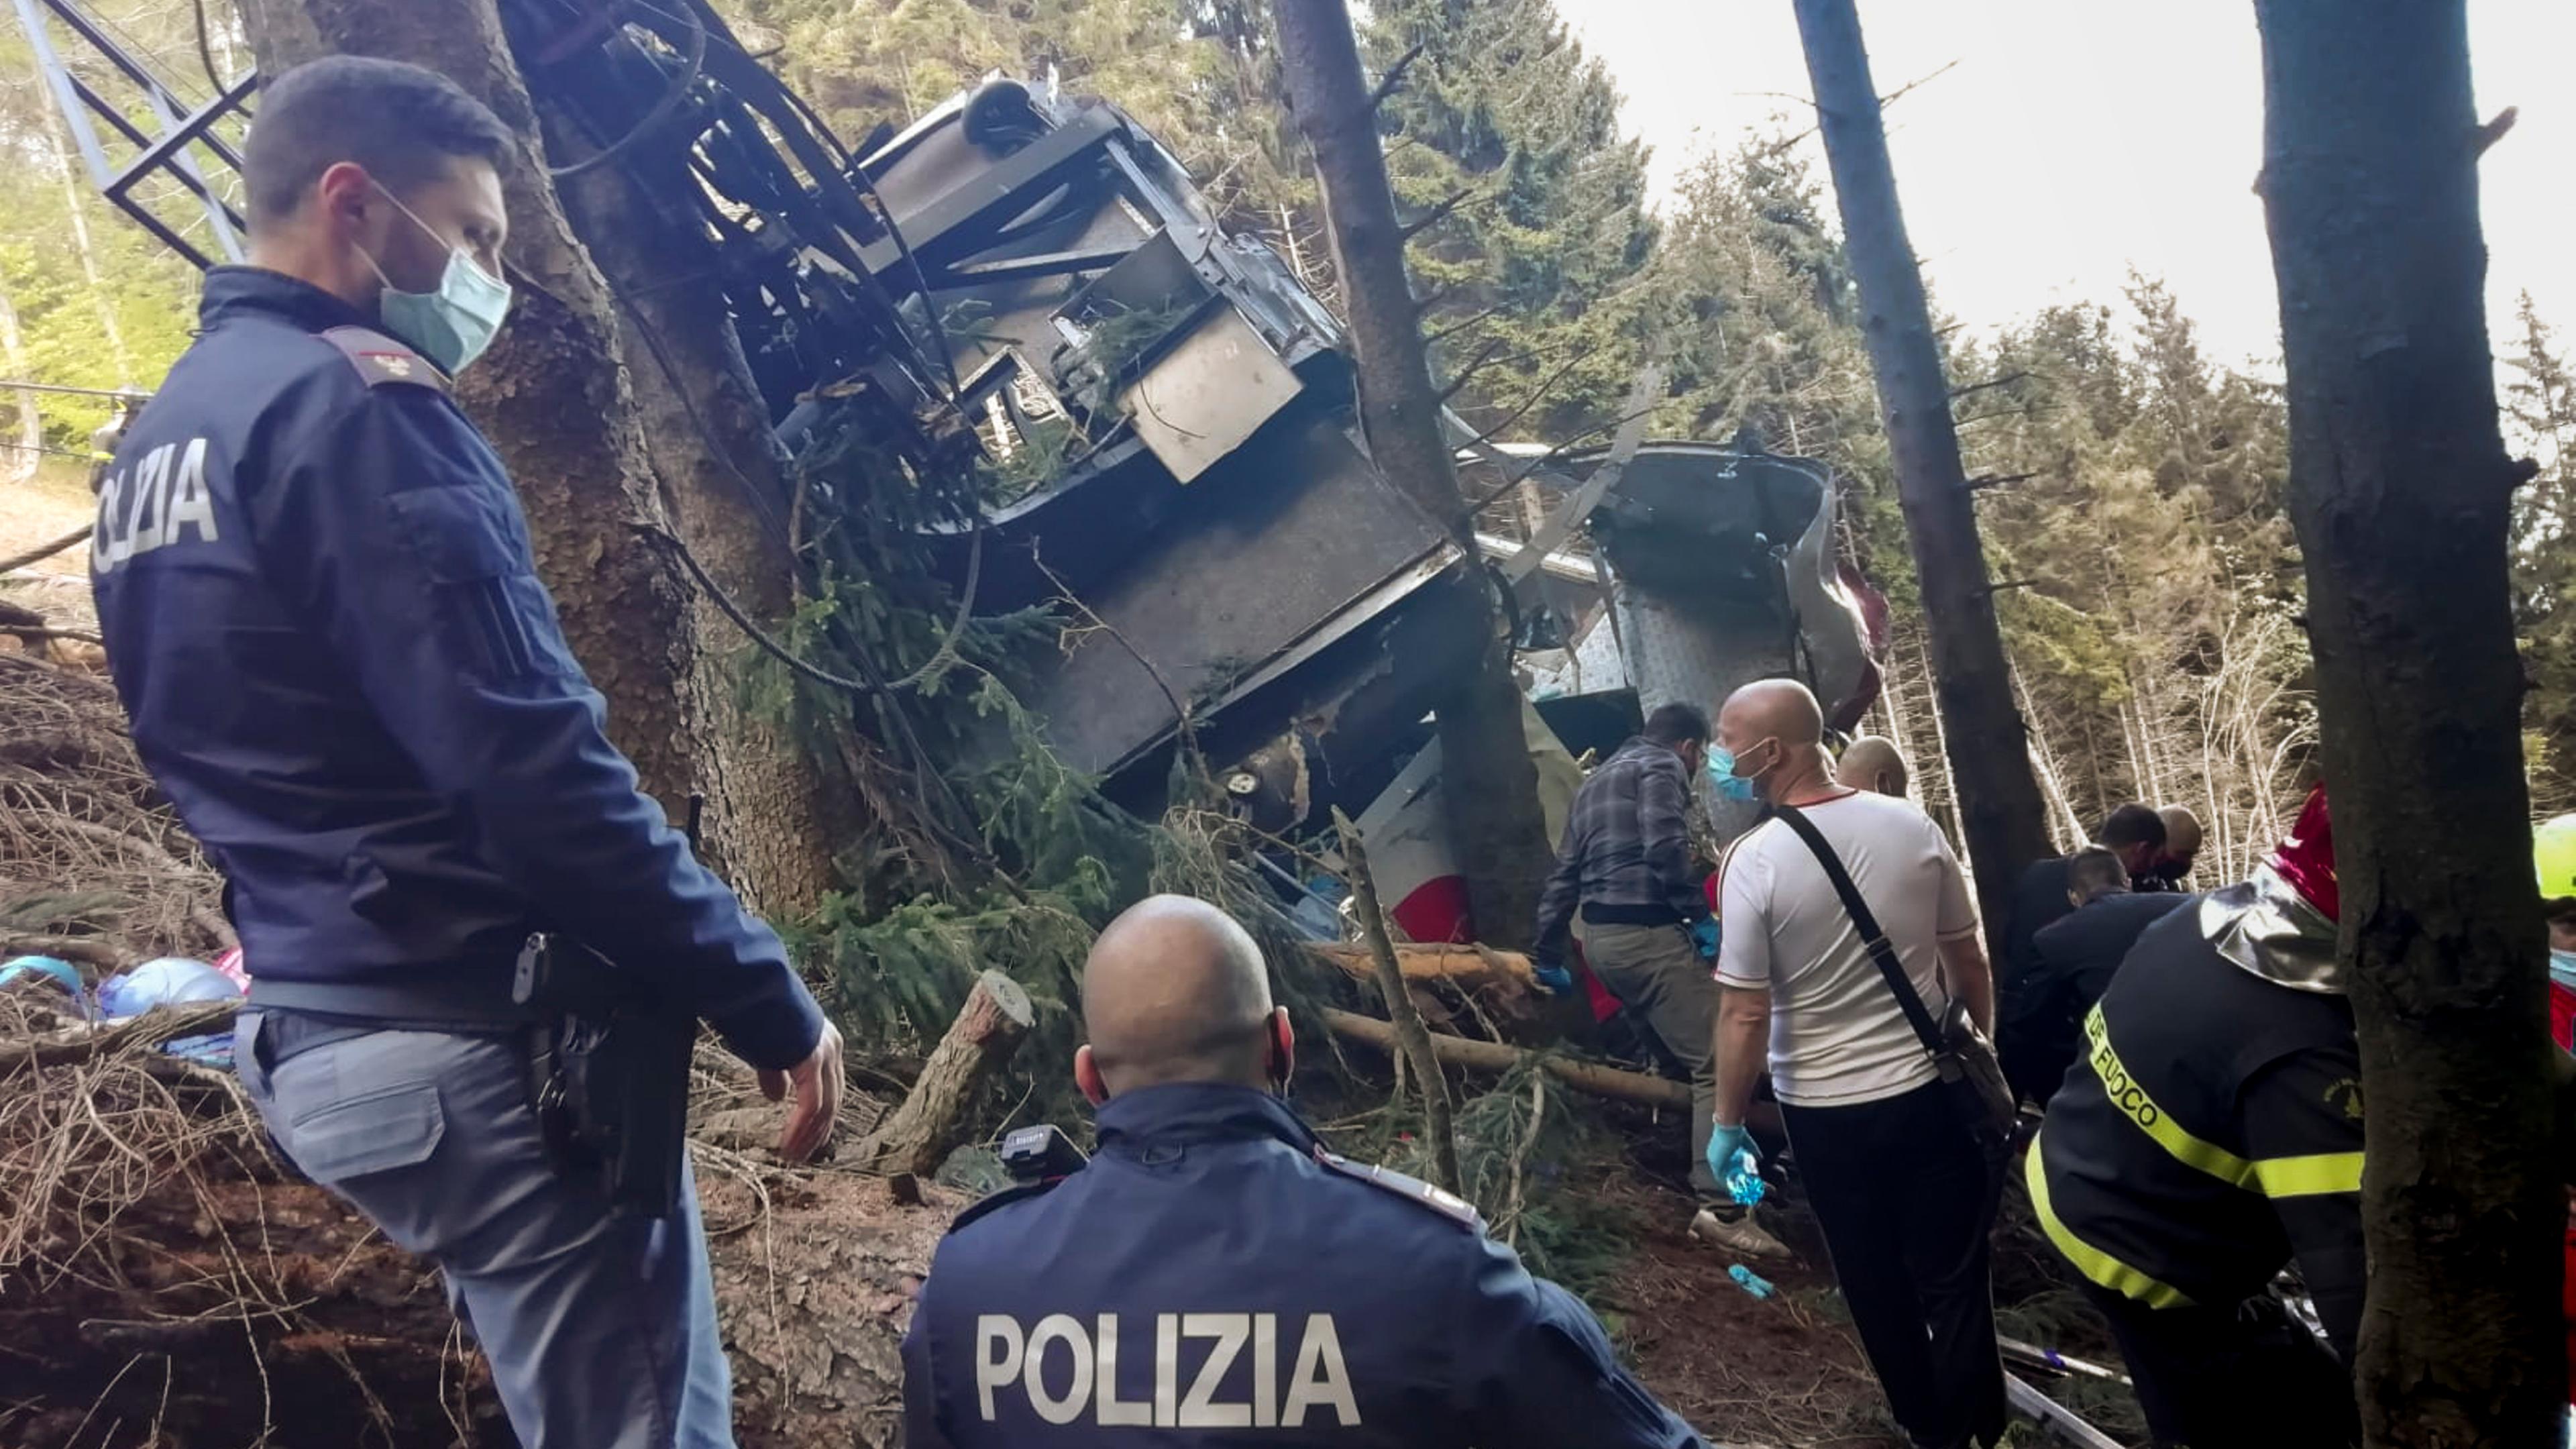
[452, 325]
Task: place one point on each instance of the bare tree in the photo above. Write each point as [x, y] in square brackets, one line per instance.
[2400, 488]
[1998, 799]
[1487, 780]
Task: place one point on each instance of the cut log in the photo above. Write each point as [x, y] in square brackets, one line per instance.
[918, 1135]
[1470, 968]
[1486, 1056]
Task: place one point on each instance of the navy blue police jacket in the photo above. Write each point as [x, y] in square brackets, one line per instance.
[322, 614]
[1214, 1277]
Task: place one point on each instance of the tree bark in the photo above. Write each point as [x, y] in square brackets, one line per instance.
[916, 1136]
[773, 809]
[1998, 800]
[569, 406]
[1488, 1056]
[1488, 786]
[2400, 488]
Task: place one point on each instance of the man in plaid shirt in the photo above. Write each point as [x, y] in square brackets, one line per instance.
[1626, 862]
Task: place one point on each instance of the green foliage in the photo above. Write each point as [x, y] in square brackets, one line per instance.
[99, 304]
[2540, 416]
[1503, 118]
[1530, 1154]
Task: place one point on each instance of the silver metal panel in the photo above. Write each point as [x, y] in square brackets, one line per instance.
[1208, 394]
[1695, 652]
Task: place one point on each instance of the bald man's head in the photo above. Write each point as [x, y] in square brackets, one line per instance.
[1175, 991]
[1871, 763]
[2182, 839]
[1775, 731]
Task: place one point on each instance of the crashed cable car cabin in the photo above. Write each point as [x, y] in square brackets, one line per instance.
[1169, 414]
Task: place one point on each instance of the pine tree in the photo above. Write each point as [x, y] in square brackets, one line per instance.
[1504, 139]
[2540, 409]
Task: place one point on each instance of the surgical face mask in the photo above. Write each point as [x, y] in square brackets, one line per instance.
[1721, 773]
[452, 325]
[2562, 968]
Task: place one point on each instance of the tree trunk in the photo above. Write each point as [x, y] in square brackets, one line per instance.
[20, 465]
[773, 812]
[2400, 488]
[1488, 785]
[1998, 801]
[917, 1136]
[570, 417]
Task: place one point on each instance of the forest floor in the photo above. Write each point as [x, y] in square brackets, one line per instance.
[43, 508]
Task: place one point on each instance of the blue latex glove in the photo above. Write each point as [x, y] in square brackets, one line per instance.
[1734, 1162]
[1553, 979]
[1704, 937]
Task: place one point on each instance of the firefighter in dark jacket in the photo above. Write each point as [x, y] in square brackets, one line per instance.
[2210, 1135]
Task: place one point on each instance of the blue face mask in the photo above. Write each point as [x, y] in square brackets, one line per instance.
[1730, 785]
[2562, 968]
[452, 325]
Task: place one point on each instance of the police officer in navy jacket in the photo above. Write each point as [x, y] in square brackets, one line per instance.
[321, 611]
[1213, 1276]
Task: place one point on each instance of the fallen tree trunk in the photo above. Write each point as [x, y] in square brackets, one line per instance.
[1486, 1056]
[1471, 968]
[916, 1136]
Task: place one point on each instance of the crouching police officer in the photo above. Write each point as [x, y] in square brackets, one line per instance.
[322, 615]
[1214, 1276]
[2210, 1133]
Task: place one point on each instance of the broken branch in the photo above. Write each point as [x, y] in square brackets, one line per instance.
[1435, 215]
[1495, 1058]
[151, 1029]
[1406, 1022]
[1394, 77]
[44, 551]
[2007, 380]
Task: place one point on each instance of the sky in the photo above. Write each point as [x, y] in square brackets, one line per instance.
[2076, 139]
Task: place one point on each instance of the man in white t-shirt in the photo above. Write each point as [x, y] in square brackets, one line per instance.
[1904, 1195]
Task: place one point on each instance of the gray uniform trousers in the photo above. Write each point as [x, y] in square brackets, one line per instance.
[1657, 973]
[601, 1331]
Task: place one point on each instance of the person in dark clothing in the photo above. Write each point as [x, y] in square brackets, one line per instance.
[2043, 1014]
[2133, 832]
[1647, 934]
[2172, 869]
[1214, 1276]
[319, 602]
[2212, 1134]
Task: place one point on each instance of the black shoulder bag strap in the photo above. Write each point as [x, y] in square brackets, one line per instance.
[1871, 937]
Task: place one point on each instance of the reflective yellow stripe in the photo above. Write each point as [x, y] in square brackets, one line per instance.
[2134, 1103]
[2310, 1176]
[2091, 1261]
